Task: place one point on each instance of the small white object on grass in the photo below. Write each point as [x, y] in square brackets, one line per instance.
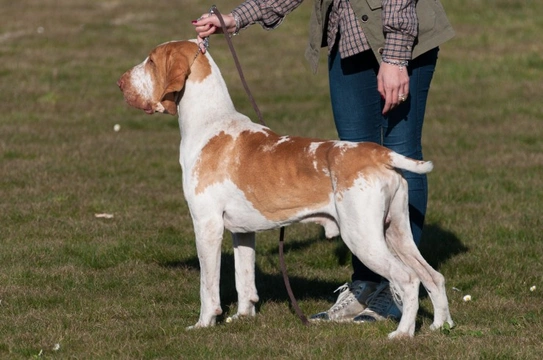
[116, 127]
[56, 347]
[467, 298]
[103, 216]
[532, 289]
[229, 319]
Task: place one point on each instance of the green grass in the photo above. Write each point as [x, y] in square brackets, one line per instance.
[127, 287]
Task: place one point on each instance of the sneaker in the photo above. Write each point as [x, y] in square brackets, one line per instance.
[382, 305]
[351, 301]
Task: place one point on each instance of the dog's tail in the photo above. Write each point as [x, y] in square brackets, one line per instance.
[417, 166]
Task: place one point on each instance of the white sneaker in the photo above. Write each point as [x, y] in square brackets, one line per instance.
[381, 305]
[351, 301]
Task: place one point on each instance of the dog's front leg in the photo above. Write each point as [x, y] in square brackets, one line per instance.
[208, 245]
[244, 258]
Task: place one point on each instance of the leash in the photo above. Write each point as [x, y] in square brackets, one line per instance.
[293, 301]
[216, 11]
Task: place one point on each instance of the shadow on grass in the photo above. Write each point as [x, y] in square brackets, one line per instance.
[437, 246]
[271, 286]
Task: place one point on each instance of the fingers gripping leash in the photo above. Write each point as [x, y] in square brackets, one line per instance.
[205, 41]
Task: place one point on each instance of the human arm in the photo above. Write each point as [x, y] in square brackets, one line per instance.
[400, 25]
[268, 13]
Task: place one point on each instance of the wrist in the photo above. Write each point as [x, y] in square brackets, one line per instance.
[237, 23]
[399, 63]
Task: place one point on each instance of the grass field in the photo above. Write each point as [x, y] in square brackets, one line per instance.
[76, 286]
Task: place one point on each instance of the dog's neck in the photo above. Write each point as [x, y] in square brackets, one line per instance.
[204, 101]
[204, 111]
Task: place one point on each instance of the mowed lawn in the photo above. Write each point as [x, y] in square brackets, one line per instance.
[77, 285]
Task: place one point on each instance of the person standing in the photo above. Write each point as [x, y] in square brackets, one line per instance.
[381, 59]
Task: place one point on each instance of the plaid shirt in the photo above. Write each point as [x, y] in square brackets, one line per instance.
[399, 24]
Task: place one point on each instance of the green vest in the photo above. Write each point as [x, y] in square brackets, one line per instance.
[434, 27]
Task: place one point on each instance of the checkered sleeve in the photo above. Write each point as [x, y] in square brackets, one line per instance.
[400, 26]
[268, 13]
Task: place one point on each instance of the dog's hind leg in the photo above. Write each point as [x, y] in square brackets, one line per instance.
[371, 249]
[209, 233]
[432, 280]
[362, 230]
[244, 258]
[400, 239]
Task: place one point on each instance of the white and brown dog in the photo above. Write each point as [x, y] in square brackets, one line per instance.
[242, 176]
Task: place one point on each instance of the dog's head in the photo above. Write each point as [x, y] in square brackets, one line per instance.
[156, 84]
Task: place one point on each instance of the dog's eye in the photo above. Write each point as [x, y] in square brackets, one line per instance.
[150, 62]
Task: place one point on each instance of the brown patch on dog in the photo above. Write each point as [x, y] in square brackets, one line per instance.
[215, 162]
[282, 176]
[349, 163]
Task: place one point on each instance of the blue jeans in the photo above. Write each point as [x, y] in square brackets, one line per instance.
[357, 107]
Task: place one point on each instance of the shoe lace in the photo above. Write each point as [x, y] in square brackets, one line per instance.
[345, 297]
[381, 299]
[342, 288]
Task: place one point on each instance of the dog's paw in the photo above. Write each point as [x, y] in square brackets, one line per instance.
[202, 324]
[195, 326]
[238, 316]
[445, 326]
[399, 335]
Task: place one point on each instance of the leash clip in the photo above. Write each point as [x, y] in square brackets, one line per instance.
[205, 41]
[211, 13]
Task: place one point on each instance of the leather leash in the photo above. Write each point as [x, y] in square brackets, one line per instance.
[293, 301]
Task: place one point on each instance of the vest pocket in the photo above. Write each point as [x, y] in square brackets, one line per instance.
[426, 16]
[375, 4]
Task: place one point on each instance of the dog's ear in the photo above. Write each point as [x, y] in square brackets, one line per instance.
[173, 86]
[177, 69]
[169, 102]
[176, 61]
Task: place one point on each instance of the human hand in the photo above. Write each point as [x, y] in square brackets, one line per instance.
[209, 24]
[393, 85]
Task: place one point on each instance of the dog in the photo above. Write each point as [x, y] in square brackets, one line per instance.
[241, 176]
